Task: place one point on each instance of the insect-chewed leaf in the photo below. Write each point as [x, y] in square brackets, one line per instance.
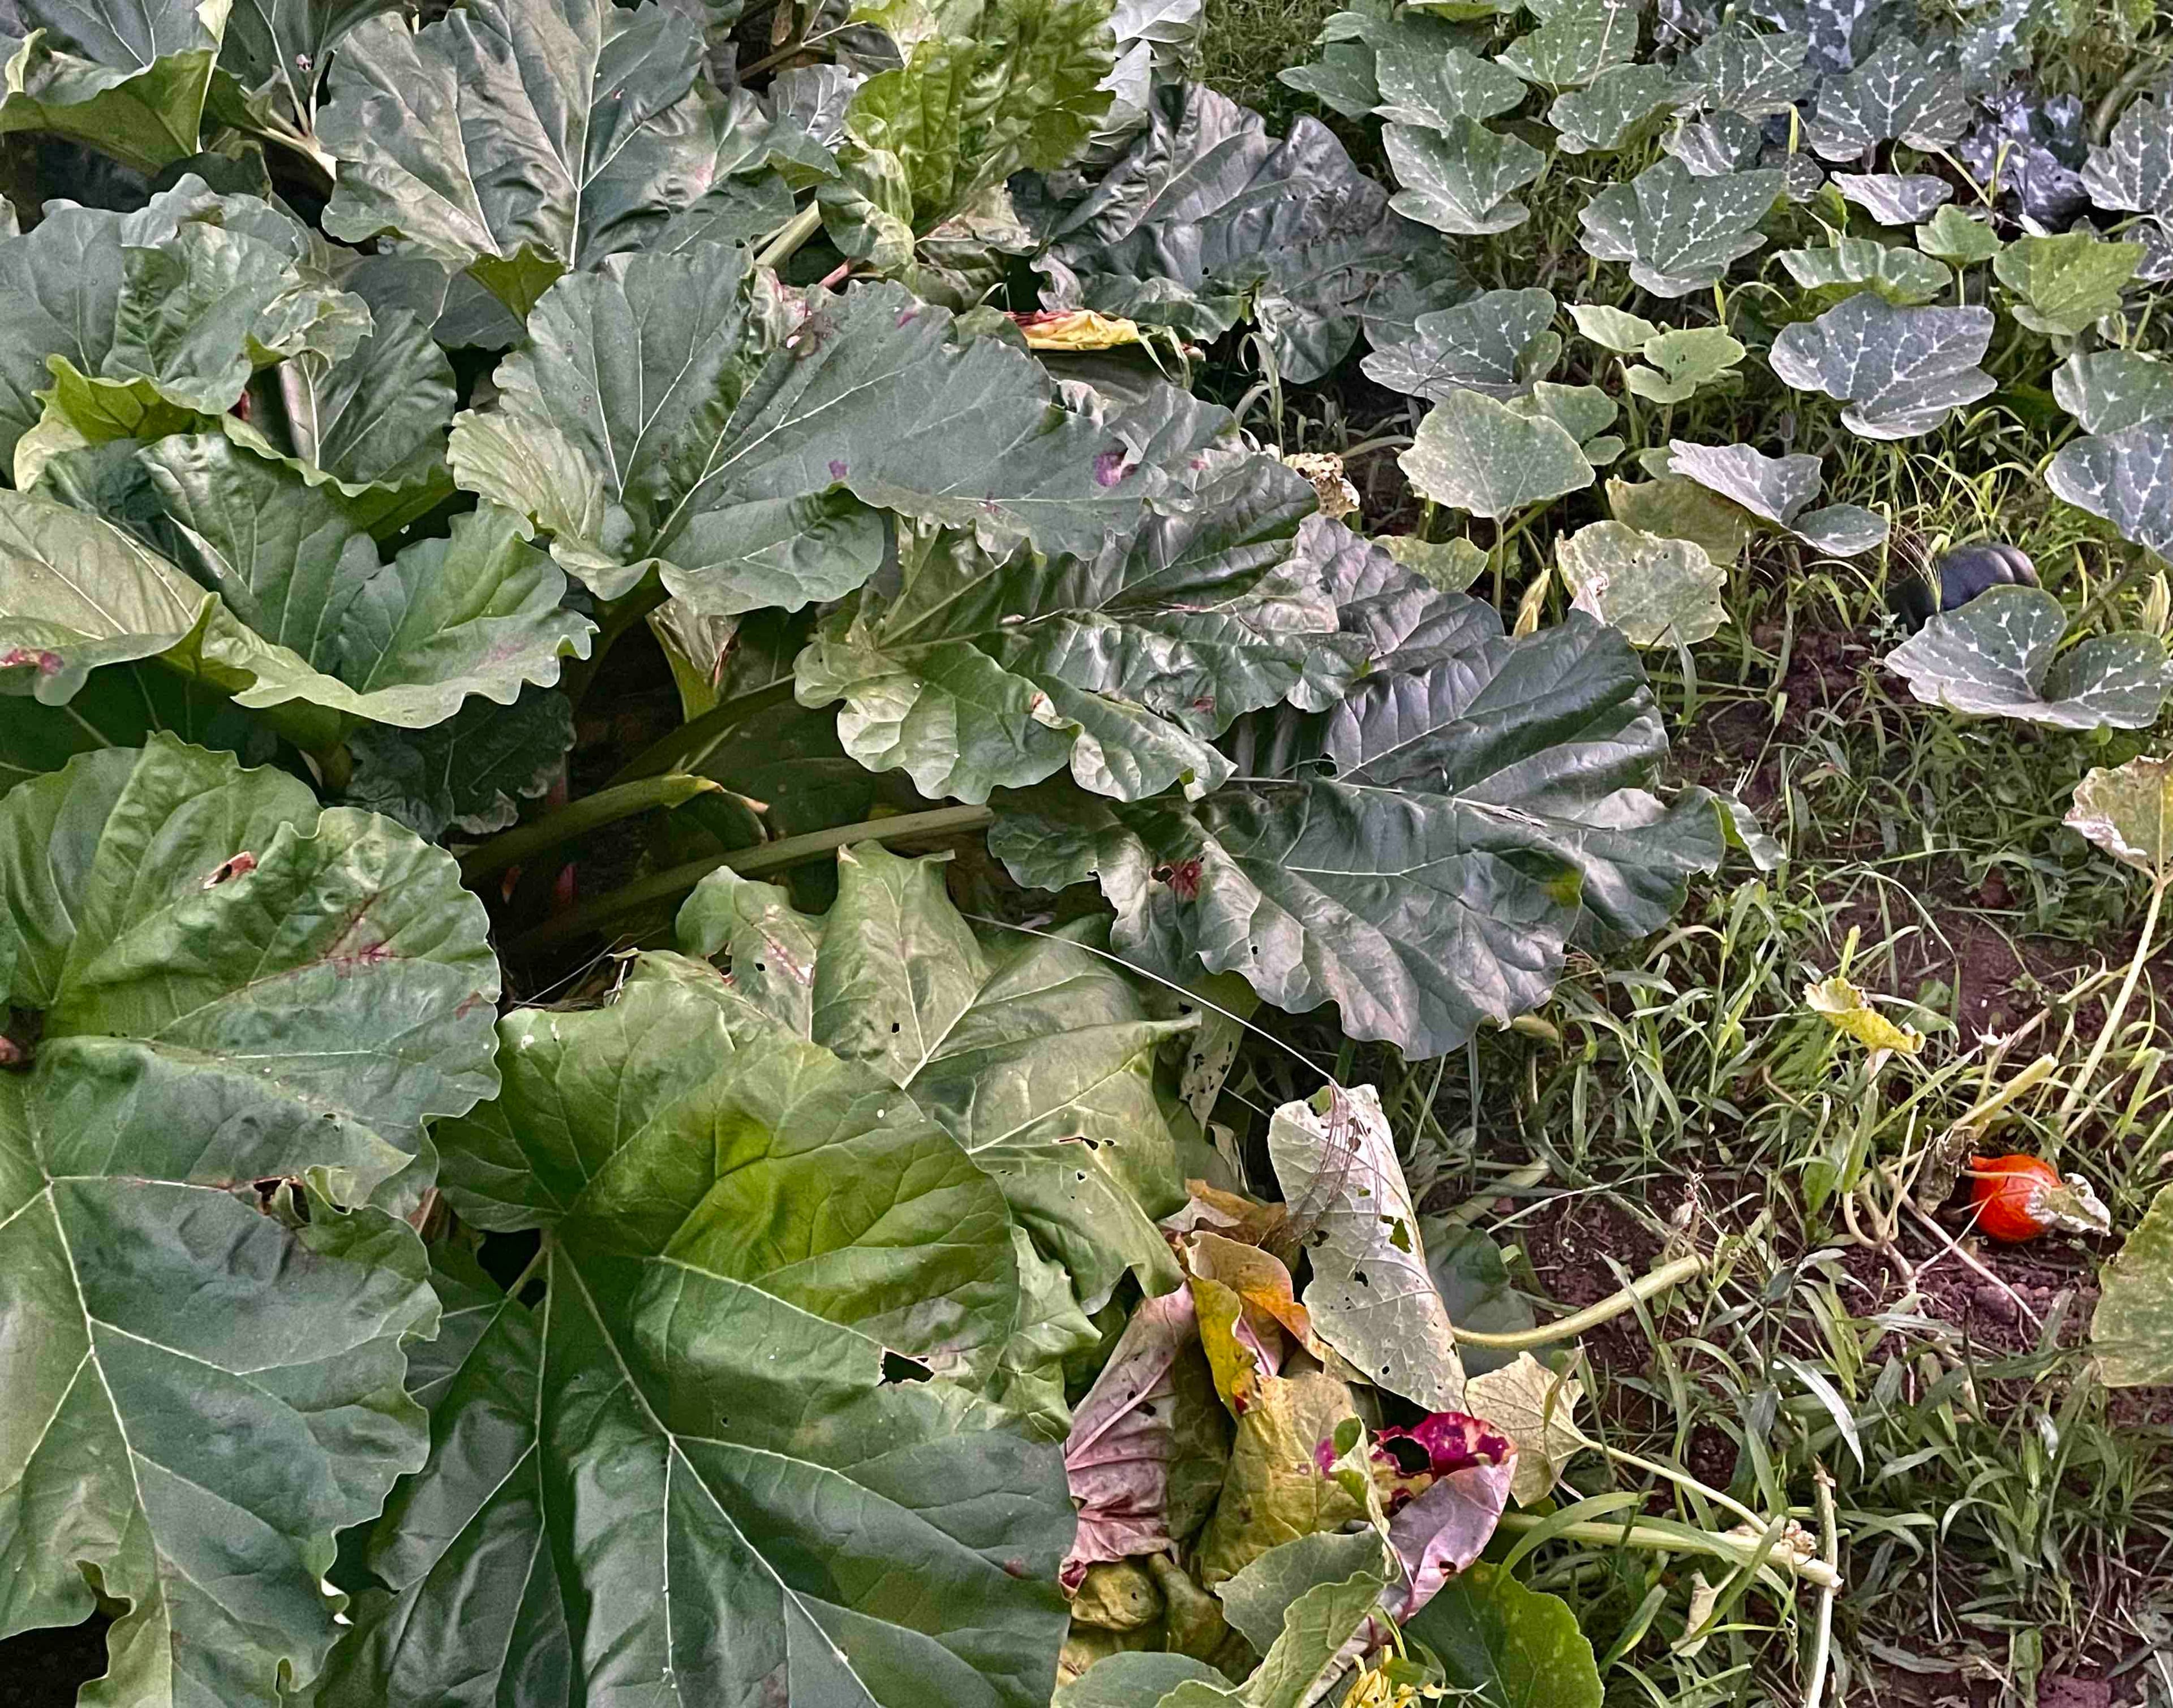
[1461, 179]
[1371, 1297]
[1657, 590]
[2128, 812]
[1683, 362]
[237, 989]
[1894, 198]
[1999, 656]
[1896, 95]
[744, 1238]
[1475, 454]
[1490, 344]
[1780, 490]
[2063, 284]
[1679, 231]
[1901, 371]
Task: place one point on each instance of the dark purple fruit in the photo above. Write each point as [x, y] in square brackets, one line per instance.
[1957, 578]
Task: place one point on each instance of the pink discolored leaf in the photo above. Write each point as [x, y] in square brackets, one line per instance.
[1149, 1442]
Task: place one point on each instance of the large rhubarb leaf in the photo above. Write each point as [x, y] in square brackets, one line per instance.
[648, 422]
[1207, 218]
[278, 51]
[696, 1465]
[128, 77]
[1037, 1058]
[288, 607]
[997, 87]
[174, 305]
[515, 140]
[1485, 801]
[986, 671]
[250, 1008]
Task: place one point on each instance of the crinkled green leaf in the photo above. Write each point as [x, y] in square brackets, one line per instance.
[2132, 1329]
[174, 305]
[645, 422]
[1506, 1646]
[476, 613]
[1472, 453]
[2126, 476]
[1462, 180]
[2063, 284]
[1901, 371]
[372, 424]
[1487, 797]
[1896, 95]
[1657, 590]
[1779, 490]
[121, 706]
[1999, 656]
[1208, 217]
[689, 1461]
[1576, 41]
[1679, 231]
[1900, 276]
[513, 140]
[1040, 1061]
[986, 671]
[1371, 1297]
[1002, 86]
[1894, 198]
[128, 77]
[278, 51]
[206, 1384]
[1498, 343]
[469, 774]
[1602, 116]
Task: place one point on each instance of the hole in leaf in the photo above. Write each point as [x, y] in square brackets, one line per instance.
[1410, 1458]
[897, 1367]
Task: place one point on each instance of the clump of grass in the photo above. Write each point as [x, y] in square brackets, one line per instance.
[1244, 43]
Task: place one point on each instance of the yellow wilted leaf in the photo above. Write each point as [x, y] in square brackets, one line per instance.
[1844, 1007]
[1076, 329]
